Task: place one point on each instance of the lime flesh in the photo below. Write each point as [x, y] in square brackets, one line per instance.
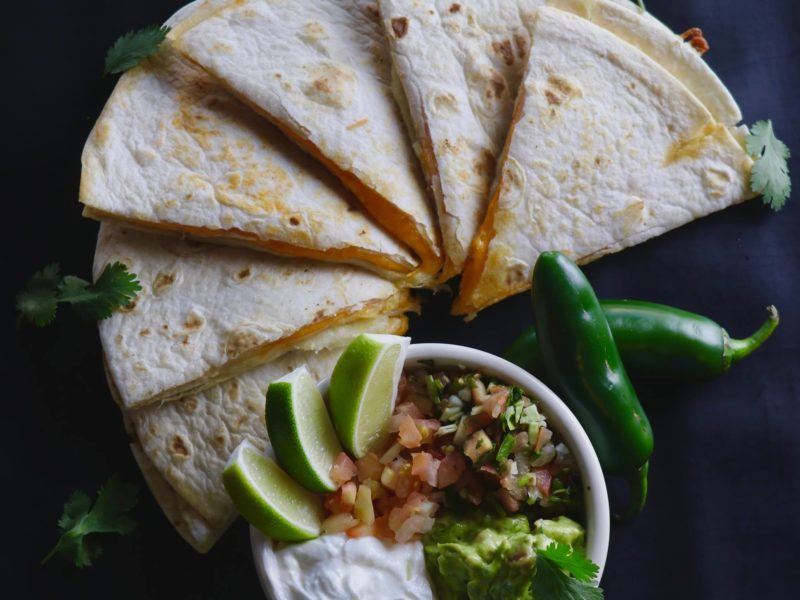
[301, 432]
[363, 390]
[269, 498]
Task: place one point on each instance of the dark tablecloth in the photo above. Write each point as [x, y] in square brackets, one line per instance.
[722, 520]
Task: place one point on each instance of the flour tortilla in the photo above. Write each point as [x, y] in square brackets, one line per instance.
[607, 150]
[651, 36]
[183, 446]
[198, 531]
[320, 71]
[174, 151]
[459, 65]
[208, 312]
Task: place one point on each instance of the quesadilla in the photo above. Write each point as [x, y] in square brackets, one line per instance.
[459, 65]
[182, 446]
[607, 149]
[207, 312]
[320, 71]
[174, 151]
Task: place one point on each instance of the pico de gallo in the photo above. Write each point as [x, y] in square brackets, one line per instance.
[458, 437]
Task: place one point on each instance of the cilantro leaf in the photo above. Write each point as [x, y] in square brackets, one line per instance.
[108, 515]
[770, 175]
[114, 288]
[567, 559]
[133, 47]
[37, 301]
[564, 574]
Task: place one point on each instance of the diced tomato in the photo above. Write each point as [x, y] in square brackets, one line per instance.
[450, 469]
[410, 409]
[361, 531]
[409, 435]
[333, 503]
[495, 403]
[543, 481]
[427, 429]
[343, 469]
[405, 483]
[369, 467]
[382, 529]
[510, 503]
[424, 466]
[413, 526]
[543, 436]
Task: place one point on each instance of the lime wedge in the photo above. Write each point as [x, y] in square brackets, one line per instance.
[269, 498]
[363, 390]
[301, 431]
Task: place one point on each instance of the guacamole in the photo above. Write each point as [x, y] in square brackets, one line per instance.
[485, 556]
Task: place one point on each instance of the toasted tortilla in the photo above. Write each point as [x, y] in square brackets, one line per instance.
[320, 71]
[606, 151]
[174, 151]
[208, 312]
[183, 446]
[459, 65]
[198, 531]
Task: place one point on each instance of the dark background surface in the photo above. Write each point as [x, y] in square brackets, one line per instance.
[722, 521]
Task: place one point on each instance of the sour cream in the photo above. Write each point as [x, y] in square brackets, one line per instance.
[335, 567]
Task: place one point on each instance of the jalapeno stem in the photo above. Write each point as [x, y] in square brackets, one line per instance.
[637, 495]
[736, 350]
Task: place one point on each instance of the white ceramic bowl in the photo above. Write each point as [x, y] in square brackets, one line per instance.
[559, 418]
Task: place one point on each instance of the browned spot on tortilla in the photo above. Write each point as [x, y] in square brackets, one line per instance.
[118, 339]
[294, 221]
[454, 8]
[165, 327]
[185, 340]
[497, 85]
[163, 281]
[322, 85]
[219, 440]
[243, 274]
[319, 315]
[373, 11]
[241, 421]
[522, 45]
[253, 407]
[129, 306]
[189, 403]
[515, 275]
[695, 145]
[239, 341]
[193, 321]
[399, 26]
[558, 90]
[485, 165]
[632, 86]
[179, 447]
[144, 332]
[505, 50]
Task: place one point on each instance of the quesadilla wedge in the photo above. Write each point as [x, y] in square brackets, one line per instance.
[459, 65]
[607, 150]
[320, 71]
[174, 151]
[183, 446]
[208, 312]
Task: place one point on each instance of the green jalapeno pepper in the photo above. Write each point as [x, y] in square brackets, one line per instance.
[659, 342]
[584, 367]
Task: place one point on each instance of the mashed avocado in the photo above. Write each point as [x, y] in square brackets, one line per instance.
[485, 556]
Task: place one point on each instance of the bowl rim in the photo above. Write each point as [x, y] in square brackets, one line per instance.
[598, 518]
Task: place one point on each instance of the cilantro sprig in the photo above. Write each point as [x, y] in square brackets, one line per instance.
[770, 175]
[133, 47]
[564, 574]
[38, 302]
[80, 519]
